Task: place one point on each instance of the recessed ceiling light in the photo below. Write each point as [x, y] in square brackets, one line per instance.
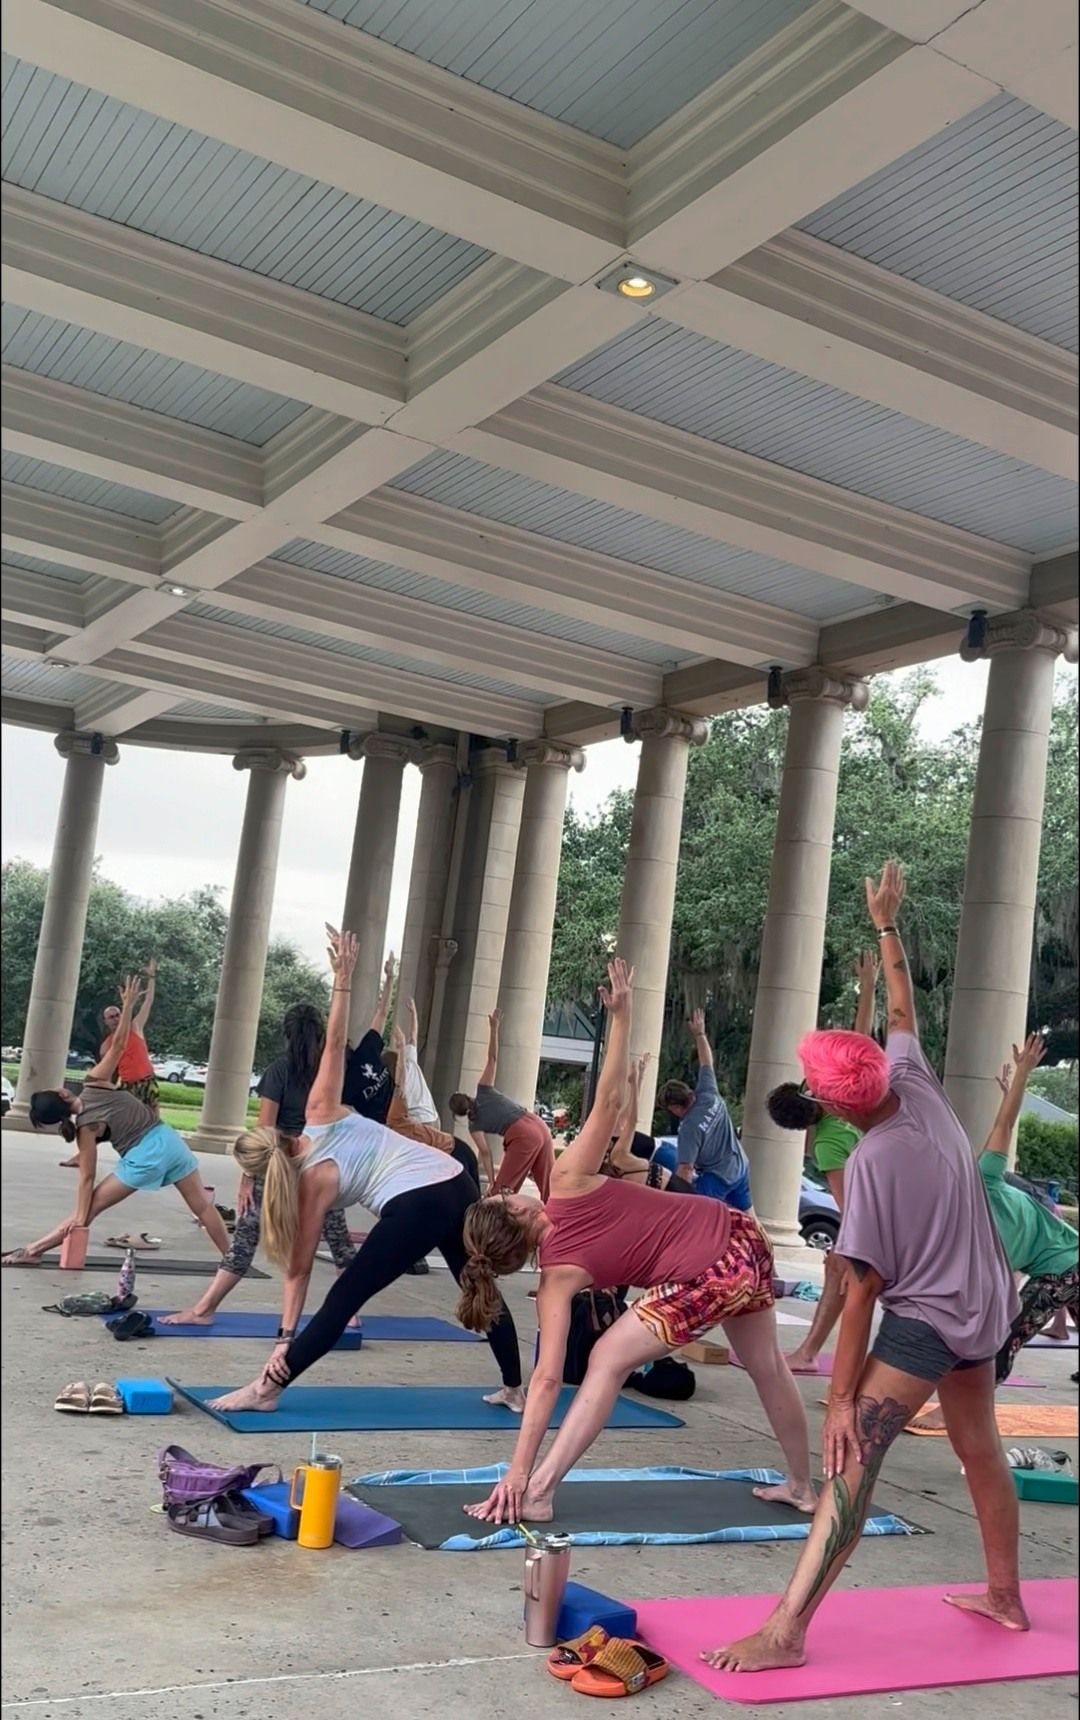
[636, 287]
[169, 589]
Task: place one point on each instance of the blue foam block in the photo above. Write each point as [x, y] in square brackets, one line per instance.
[145, 1397]
[582, 1608]
[355, 1409]
[273, 1499]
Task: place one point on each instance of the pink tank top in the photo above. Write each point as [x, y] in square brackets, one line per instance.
[622, 1233]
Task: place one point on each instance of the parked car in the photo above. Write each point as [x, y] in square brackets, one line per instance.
[11, 1053]
[7, 1095]
[80, 1060]
[195, 1074]
[819, 1215]
[169, 1068]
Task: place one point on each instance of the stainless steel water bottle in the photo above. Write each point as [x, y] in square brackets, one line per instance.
[547, 1567]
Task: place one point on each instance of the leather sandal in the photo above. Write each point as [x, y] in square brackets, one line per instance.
[74, 1399]
[245, 1513]
[211, 1520]
[622, 1668]
[106, 1400]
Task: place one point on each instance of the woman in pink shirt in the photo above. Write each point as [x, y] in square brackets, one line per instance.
[701, 1264]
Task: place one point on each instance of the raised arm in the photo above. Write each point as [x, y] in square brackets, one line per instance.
[104, 1070]
[883, 900]
[382, 1009]
[622, 1159]
[412, 1036]
[147, 1004]
[1012, 1083]
[487, 1073]
[702, 1047]
[866, 972]
[585, 1155]
[324, 1100]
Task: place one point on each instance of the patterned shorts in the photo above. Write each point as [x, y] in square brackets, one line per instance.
[739, 1283]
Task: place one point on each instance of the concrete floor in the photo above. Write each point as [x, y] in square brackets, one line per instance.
[108, 1614]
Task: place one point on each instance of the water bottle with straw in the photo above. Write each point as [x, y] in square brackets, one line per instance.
[314, 1493]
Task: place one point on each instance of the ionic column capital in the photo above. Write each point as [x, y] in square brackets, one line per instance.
[434, 753]
[1023, 630]
[71, 743]
[271, 759]
[828, 686]
[396, 749]
[659, 723]
[492, 761]
[551, 753]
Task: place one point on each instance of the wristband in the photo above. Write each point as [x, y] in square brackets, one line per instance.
[888, 931]
[286, 1334]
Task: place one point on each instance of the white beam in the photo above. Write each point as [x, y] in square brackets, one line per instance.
[425, 632]
[52, 527]
[820, 107]
[116, 710]
[304, 91]
[561, 437]
[460, 549]
[822, 312]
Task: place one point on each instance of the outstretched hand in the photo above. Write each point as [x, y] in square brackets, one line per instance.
[494, 1017]
[866, 968]
[615, 996]
[343, 951]
[388, 968]
[883, 899]
[697, 1024]
[1004, 1080]
[1030, 1055]
[397, 1040]
[131, 992]
[503, 1503]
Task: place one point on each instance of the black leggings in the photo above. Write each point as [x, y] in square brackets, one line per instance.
[409, 1227]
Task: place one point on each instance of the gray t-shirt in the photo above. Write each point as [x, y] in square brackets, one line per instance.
[707, 1138]
[126, 1117]
[916, 1211]
[495, 1113]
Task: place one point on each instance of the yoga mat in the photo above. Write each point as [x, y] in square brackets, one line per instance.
[148, 1264]
[377, 1329]
[635, 1507]
[865, 1641]
[370, 1409]
[1042, 1342]
[1020, 1420]
[825, 1366]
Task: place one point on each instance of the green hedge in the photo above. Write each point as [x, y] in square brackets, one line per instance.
[1048, 1150]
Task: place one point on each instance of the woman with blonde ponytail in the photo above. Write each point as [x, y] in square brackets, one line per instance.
[418, 1194]
[700, 1263]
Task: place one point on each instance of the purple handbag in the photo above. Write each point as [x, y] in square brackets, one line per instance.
[186, 1481]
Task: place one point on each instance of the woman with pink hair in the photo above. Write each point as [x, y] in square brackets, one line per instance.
[916, 1236]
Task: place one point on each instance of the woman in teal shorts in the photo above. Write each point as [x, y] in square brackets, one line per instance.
[152, 1155]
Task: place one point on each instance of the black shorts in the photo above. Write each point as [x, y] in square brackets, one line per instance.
[913, 1347]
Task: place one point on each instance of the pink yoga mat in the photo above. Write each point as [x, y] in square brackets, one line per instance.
[825, 1362]
[869, 1640]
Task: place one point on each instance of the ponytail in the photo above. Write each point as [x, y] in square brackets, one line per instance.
[262, 1155]
[495, 1244]
[304, 1032]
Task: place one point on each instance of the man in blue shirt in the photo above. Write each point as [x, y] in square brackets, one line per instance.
[709, 1151]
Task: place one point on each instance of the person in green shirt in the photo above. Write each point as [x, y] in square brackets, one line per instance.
[830, 1142]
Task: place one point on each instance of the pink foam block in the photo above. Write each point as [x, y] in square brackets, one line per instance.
[868, 1640]
[825, 1364]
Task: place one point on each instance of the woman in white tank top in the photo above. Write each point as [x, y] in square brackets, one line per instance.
[419, 1195]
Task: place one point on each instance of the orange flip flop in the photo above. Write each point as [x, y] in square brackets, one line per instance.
[570, 1657]
[622, 1668]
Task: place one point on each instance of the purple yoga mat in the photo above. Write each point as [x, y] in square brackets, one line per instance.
[825, 1366]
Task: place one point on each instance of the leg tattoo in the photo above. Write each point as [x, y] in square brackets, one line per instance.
[878, 1423]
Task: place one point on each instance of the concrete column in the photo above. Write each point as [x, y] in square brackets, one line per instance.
[994, 949]
[428, 880]
[527, 955]
[371, 865]
[793, 940]
[243, 965]
[47, 1033]
[652, 863]
[458, 1041]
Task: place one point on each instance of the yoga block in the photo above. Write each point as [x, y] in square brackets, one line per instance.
[146, 1397]
[582, 1608]
[272, 1498]
[1052, 1487]
[702, 1351]
[73, 1248]
[357, 1525]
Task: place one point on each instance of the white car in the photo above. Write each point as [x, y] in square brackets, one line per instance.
[170, 1068]
[7, 1095]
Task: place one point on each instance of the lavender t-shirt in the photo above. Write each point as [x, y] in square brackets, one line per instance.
[916, 1211]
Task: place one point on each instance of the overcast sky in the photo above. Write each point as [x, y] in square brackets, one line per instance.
[171, 820]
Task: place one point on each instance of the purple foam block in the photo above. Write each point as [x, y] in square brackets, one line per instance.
[356, 1525]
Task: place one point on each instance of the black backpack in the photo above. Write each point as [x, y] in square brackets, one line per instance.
[591, 1313]
[665, 1378]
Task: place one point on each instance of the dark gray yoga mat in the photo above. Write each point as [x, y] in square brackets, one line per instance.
[148, 1263]
[642, 1508]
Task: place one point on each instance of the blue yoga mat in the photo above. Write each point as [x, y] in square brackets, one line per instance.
[371, 1409]
[377, 1329]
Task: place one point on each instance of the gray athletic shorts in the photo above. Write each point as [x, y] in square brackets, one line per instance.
[914, 1348]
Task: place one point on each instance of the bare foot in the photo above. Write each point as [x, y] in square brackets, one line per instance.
[802, 1361]
[186, 1317]
[257, 1395]
[1007, 1610]
[932, 1420]
[762, 1652]
[537, 1507]
[790, 1493]
[20, 1257]
[512, 1396]
[355, 1324]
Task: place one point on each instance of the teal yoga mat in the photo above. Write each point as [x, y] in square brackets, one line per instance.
[371, 1409]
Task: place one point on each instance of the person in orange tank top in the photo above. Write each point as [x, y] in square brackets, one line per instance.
[700, 1263]
[135, 1072]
